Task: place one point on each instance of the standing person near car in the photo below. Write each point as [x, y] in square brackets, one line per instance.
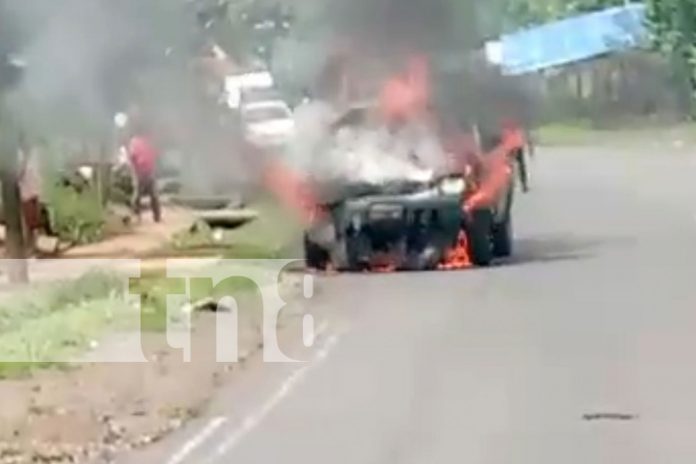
[143, 155]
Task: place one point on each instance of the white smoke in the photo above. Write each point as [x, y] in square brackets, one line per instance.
[363, 153]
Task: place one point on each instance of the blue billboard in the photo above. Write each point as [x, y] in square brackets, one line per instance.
[574, 39]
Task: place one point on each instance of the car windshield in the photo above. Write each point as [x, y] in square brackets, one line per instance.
[265, 113]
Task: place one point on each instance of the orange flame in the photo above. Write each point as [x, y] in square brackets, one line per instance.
[291, 189]
[406, 96]
[458, 257]
[386, 268]
[498, 171]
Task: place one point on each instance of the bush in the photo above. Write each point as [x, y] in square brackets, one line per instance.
[76, 217]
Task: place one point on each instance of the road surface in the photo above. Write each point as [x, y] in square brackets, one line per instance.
[579, 350]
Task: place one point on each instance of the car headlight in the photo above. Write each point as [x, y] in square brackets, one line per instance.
[452, 186]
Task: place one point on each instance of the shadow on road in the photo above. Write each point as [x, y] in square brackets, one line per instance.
[554, 248]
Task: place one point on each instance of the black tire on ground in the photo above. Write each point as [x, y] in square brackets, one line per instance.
[479, 238]
[502, 238]
[315, 256]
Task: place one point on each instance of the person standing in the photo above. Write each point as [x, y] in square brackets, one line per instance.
[143, 155]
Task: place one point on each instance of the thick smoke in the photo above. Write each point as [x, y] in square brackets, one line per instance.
[86, 60]
[372, 42]
[390, 28]
[83, 57]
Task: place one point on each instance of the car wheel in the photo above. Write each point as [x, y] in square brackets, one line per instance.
[479, 238]
[315, 256]
[502, 238]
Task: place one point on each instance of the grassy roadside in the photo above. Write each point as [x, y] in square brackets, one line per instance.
[581, 133]
[274, 235]
[575, 133]
[54, 321]
[58, 321]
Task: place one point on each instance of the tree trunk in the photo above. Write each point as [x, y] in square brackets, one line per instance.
[103, 173]
[14, 227]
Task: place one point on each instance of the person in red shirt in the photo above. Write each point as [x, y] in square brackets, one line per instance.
[143, 156]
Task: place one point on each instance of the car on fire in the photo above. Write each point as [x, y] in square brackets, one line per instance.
[410, 222]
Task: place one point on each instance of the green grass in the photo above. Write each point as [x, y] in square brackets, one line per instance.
[53, 322]
[58, 321]
[53, 340]
[154, 288]
[56, 298]
[276, 229]
[274, 235]
[570, 133]
[634, 133]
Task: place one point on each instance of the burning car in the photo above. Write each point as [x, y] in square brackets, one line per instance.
[391, 212]
[413, 180]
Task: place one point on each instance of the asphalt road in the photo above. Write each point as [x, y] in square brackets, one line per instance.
[577, 351]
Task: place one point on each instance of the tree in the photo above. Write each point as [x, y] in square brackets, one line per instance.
[86, 60]
[11, 72]
[673, 25]
[524, 13]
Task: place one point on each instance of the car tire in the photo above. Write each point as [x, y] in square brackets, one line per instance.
[315, 256]
[502, 238]
[479, 238]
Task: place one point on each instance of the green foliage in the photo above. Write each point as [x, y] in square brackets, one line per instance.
[76, 217]
[54, 298]
[55, 321]
[523, 13]
[673, 25]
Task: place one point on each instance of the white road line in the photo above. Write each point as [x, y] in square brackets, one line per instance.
[196, 441]
[253, 420]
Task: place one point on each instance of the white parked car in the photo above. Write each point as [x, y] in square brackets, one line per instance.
[236, 85]
[268, 123]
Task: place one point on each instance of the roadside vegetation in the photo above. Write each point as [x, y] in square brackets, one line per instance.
[54, 321]
[636, 133]
[47, 323]
[274, 234]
